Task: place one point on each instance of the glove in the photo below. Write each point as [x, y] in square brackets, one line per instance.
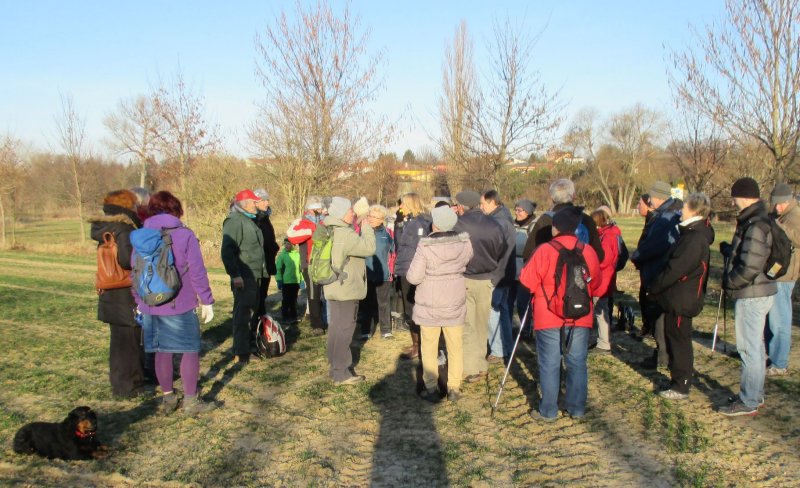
[725, 249]
[280, 285]
[207, 313]
[238, 282]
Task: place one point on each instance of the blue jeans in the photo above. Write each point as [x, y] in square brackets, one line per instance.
[501, 340]
[523, 300]
[750, 317]
[549, 352]
[779, 319]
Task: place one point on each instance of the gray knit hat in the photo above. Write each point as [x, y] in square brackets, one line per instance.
[468, 198]
[526, 205]
[444, 218]
[661, 190]
[781, 194]
[339, 207]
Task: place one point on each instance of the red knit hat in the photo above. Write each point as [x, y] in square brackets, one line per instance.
[246, 195]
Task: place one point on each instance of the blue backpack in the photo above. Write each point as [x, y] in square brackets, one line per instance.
[154, 275]
[582, 233]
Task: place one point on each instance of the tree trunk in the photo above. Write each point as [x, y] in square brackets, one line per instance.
[79, 199]
[2, 221]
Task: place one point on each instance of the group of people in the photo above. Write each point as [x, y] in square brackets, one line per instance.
[455, 275]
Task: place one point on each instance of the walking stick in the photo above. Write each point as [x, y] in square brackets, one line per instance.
[511, 359]
[725, 313]
[716, 322]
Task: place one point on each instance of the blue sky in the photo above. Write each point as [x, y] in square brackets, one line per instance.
[609, 55]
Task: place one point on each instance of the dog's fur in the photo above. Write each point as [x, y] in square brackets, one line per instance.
[73, 438]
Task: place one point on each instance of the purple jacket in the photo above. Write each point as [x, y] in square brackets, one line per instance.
[186, 249]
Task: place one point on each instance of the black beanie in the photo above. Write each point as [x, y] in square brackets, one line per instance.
[567, 219]
[745, 188]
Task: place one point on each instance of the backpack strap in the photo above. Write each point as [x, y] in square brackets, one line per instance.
[339, 272]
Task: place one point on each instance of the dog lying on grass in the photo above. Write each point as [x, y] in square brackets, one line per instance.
[73, 438]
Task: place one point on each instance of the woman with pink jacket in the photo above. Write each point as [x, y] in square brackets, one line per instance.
[437, 270]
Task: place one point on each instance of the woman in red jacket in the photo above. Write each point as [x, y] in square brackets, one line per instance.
[539, 276]
[609, 239]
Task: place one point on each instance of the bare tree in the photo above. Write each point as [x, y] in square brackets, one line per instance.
[71, 136]
[320, 81]
[514, 113]
[11, 180]
[135, 129]
[458, 94]
[581, 136]
[186, 133]
[745, 74]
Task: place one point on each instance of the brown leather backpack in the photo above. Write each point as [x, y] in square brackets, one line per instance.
[110, 274]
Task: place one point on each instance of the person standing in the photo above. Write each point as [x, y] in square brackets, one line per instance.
[483, 272]
[299, 233]
[744, 280]
[780, 315]
[437, 270]
[559, 338]
[650, 257]
[609, 239]
[503, 296]
[416, 225]
[348, 255]
[271, 248]
[115, 306]
[242, 253]
[173, 327]
[645, 210]
[377, 304]
[288, 278]
[524, 220]
[680, 290]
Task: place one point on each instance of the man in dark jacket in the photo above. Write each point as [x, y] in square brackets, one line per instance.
[744, 279]
[680, 290]
[115, 306]
[242, 253]
[562, 194]
[271, 249]
[484, 272]
[650, 257]
[500, 337]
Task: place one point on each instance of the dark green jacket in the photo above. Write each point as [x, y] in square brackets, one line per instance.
[242, 249]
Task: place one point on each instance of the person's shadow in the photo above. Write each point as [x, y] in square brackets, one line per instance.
[408, 451]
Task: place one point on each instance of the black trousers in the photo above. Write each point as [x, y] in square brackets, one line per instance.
[126, 360]
[314, 292]
[289, 293]
[375, 308]
[678, 332]
[408, 290]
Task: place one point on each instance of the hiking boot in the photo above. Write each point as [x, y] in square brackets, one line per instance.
[738, 409]
[773, 371]
[193, 405]
[535, 415]
[357, 378]
[474, 378]
[492, 359]
[453, 395]
[673, 394]
[168, 403]
[243, 358]
[431, 396]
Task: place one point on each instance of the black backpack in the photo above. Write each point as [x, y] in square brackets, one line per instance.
[623, 256]
[781, 253]
[571, 299]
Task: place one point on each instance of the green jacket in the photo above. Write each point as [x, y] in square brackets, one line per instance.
[789, 221]
[348, 244]
[288, 264]
[242, 248]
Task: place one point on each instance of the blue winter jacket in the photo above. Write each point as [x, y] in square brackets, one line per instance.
[651, 255]
[378, 265]
[414, 229]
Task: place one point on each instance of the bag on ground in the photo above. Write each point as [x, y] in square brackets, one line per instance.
[270, 339]
[110, 275]
[155, 277]
[571, 299]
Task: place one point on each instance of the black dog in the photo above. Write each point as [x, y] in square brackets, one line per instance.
[73, 438]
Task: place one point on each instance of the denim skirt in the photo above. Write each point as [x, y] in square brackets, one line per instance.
[171, 333]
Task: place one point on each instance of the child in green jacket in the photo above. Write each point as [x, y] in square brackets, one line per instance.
[289, 279]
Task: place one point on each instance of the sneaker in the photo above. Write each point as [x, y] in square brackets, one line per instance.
[364, 337]
[356, 378]
[387, 335]
[431, 396]
[735, 398]
[492, 359]
[737, 409]
[673, 394]
[194, 405]
[535, 415]
[453, 395]
[474, 378]
[773, 371]
[168, 403]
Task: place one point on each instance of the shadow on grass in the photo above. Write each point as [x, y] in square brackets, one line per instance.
[408, 450]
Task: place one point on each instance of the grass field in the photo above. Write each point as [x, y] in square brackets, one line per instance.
[283, 423]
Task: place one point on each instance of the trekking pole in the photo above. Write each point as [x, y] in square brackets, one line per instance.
[511, 359]
[716, 322]
[725, 313]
